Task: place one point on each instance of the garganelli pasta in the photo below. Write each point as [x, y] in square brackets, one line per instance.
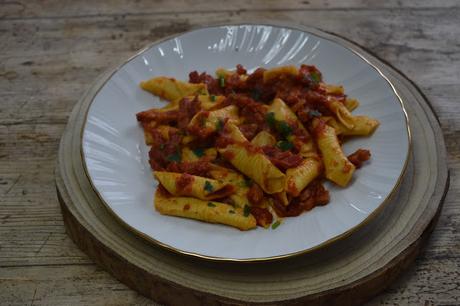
[246, 149]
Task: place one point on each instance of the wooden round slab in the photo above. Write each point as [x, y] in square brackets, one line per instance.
[347, 272]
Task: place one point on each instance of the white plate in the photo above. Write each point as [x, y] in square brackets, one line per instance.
[117, 159]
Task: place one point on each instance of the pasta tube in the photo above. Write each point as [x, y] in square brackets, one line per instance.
[239, 198]
[363, 126]
[253, 163]
[299, 177]
[172, 89]
[342, 114]
[212, 212]
[182, 184]
[337, 167]
[205, 123]
[263, 138]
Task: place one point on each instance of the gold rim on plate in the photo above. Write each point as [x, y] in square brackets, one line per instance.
[308, 30]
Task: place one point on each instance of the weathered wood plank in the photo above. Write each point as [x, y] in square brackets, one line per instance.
[59, 59]
[47, 62]
[65, 9]
[64, 285]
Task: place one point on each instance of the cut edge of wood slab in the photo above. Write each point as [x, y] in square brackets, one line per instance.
[165, 291]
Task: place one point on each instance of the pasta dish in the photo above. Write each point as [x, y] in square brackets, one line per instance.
[248, 149]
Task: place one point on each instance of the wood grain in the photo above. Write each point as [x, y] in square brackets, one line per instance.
[48, 62]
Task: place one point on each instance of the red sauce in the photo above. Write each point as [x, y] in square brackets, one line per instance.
[250, 110]
[212, 83]
[282, 159]
[223, 192]
[184, 184]
[292, 188]
[314, 195]
[240, 69]
[262, 215]
[250, 148]
[187, 109]
[359, 157]
[228, 155]
[198, 168]
[249, 130]
[223, 141]
[158, 116]
[255, 194]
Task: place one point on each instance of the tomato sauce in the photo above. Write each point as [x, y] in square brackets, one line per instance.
[255, 194]
[359, 157]
[314, 195]
[262, 215]
[184, 184]
[282, 159]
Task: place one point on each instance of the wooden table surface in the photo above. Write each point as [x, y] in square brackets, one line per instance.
[51, 51]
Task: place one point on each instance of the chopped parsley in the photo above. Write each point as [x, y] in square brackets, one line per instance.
[246, 210]
[211, 204]
[212, 98]
[270, 118]
[276, 224]
[219, 125]
[208, 186]
[284, 145]
[314, 113]
[162, 146]
[199, 152]
[231, 211]
[248, 182]
[315, 77]
[222, 81]
[175, 157]
[255, 94]
[283, 128]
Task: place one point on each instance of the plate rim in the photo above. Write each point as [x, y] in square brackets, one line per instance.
[354, 48]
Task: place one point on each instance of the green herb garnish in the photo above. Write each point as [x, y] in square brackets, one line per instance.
[283, 128]
[255, 94]
[314, 113]
[284, 145]
[162, 146]
[270, 118]
[222, 81]
[212, 98]
[219, 125]
[276, 224]
[199, 152]
[210, 204]
[247, 182]
[208, 186]
[315, 77]
[246, 210]
[231, 211]
[175, 157]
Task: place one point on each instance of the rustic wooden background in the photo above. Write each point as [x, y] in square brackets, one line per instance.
[51, 51]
